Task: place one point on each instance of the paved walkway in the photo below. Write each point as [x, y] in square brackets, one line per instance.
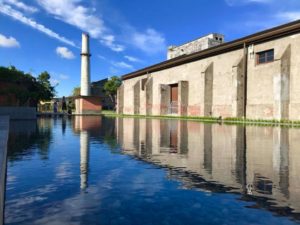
[4, 127]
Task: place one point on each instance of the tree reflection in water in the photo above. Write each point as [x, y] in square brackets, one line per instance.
[27, 136]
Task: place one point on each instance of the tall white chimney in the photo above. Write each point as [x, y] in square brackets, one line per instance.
[85, 66]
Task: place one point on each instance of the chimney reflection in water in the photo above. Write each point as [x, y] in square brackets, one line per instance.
[84, 159]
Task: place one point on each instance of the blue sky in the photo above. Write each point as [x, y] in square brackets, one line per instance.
[41, 35]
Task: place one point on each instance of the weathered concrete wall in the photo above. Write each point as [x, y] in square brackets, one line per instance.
[220, 85]
[216, 85]
[294, 107]
[18, 112]
[126, 96]
[272, 88]
[4, 128]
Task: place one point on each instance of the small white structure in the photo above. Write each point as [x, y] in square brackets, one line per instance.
[197, 45]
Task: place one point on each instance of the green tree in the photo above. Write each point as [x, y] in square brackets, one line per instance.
[47, 91]
[23, 89]
[111, 86]
[76, 91]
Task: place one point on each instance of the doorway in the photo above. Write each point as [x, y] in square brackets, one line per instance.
[174, 98]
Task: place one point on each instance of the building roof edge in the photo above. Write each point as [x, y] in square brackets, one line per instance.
[259, 37]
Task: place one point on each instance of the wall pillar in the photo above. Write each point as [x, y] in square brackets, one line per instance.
[238, 95]
[281, 87]
[183, 97]
[208, 89]
[136, 97]
[164, 99]
[120, 99]
[149, 96]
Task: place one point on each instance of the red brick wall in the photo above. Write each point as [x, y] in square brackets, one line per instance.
[91, 103]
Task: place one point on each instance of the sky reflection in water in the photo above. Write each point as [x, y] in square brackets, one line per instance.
[93, 170]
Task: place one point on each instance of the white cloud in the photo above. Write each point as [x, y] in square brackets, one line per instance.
[149, 41]
[122, 65]
[21, 5]
[64, 77]
[64, 53]
[54, 82]
[69, 11]
[75, 14]
[17, 15]
[132, 59]
[109, 41]
[101, 57]
[242, 2]
[289, 16]
[8, 42]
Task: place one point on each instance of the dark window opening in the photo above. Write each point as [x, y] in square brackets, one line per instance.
[265, 56]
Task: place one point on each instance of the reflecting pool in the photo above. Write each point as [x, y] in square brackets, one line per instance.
[100, 170]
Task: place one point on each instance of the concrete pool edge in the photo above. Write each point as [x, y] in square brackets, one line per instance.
[4, 129]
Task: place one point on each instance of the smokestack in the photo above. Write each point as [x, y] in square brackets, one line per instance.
[85, 66]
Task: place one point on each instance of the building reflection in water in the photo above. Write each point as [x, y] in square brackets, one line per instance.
[86, 127]
[259, 162]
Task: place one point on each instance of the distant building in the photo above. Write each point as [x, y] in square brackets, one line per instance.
[197, 45]
[256, 76]
[97, 89]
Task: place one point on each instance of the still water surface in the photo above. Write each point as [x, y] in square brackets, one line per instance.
[97, 170]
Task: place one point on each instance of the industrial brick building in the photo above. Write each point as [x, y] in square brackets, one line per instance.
[257, 76]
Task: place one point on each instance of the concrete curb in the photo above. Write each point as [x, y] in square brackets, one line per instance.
[4, 128]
